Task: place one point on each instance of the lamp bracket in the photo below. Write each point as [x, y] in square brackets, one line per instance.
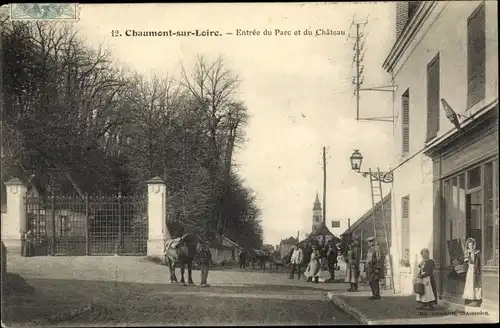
[384, 177]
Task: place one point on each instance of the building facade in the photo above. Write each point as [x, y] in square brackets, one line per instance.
[286, 246]
[225, 252]
[445, 56]
[317, 218]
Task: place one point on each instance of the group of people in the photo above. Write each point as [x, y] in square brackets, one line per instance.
[374, 267]
[315, 257]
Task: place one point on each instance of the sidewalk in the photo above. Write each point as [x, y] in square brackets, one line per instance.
[397, 309]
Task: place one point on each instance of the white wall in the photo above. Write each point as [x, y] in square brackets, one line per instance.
[445, 31]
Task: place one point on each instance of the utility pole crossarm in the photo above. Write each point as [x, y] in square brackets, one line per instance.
[388, 119]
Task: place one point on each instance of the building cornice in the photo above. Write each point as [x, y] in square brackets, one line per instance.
[438, 143]
[408, 34]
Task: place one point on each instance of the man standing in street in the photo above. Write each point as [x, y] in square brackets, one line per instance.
[331, 257]
[296, 260]
[374, 267]
[242, 259]
[205, 257]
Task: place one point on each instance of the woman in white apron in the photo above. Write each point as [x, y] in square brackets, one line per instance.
[312, 272]
[473, 287]
[425, 275]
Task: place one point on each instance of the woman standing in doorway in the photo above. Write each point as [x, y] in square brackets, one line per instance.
[473, 287]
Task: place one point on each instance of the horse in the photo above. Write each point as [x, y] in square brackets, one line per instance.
[261, 257]
[181, 251]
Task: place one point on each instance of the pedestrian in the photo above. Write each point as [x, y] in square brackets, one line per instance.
[205, 257]
[331, 257]
[352, 265]
[426, 276]
[23, 243]
[473, 287]
[296, 260]
[29, 247]
[374, 267]
[242, 259]
[314, 266]
[307, 249]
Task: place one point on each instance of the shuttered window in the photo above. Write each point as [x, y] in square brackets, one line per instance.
[432, 98]
[476, 56]
[405, 121]
[405, 224]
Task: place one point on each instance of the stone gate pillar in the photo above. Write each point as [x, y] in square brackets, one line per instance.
[157, 217]
[15, 220]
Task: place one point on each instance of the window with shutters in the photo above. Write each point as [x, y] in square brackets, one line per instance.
[476, 56]
[433, 98]
[405, 225]
[405, 122]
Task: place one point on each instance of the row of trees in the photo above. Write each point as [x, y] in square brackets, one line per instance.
[67, 106]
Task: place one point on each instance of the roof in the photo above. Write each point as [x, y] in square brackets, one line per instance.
[231, 242]
[217, 243]
[368, 214]
[289, 241]
[317, 204]
[322, 230]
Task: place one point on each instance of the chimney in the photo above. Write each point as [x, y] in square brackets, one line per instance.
[405, 10]
[402, 11]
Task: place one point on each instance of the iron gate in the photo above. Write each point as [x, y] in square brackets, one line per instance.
[87, 225]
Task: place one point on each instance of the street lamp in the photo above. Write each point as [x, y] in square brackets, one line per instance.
[356, 160]
[381, 177]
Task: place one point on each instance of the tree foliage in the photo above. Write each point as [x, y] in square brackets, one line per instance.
[67, 107]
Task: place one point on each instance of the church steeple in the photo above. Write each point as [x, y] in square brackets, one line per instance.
[316, 213]
[317, 204]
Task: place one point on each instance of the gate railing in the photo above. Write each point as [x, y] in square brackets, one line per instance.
[63, 225]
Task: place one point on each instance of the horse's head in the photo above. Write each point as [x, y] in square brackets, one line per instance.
[189, 244]
[191, 239]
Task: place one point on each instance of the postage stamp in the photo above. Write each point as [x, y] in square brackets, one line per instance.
[44, 11]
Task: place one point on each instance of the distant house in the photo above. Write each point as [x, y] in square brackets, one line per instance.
[322, 234]
[286, 246]
[268, 248]
[225, 251]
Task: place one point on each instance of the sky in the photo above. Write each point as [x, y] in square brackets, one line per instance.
[298, 90]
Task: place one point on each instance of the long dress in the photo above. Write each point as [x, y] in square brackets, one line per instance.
[473, 287]
[426, 274]
[314, 266]
[352, 267]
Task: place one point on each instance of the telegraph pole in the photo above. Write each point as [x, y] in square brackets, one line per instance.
[357, 80]
[324, 185]
[357, 70]
[357, 59]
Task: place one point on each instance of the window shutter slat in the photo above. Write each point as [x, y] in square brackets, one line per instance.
[405, 113]
[405, 223]
[476, 56]
[433, 98]
[405, 207]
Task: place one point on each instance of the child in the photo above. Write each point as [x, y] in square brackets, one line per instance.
[205, 257]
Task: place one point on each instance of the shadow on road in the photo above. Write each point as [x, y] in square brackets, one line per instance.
[87, 302]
